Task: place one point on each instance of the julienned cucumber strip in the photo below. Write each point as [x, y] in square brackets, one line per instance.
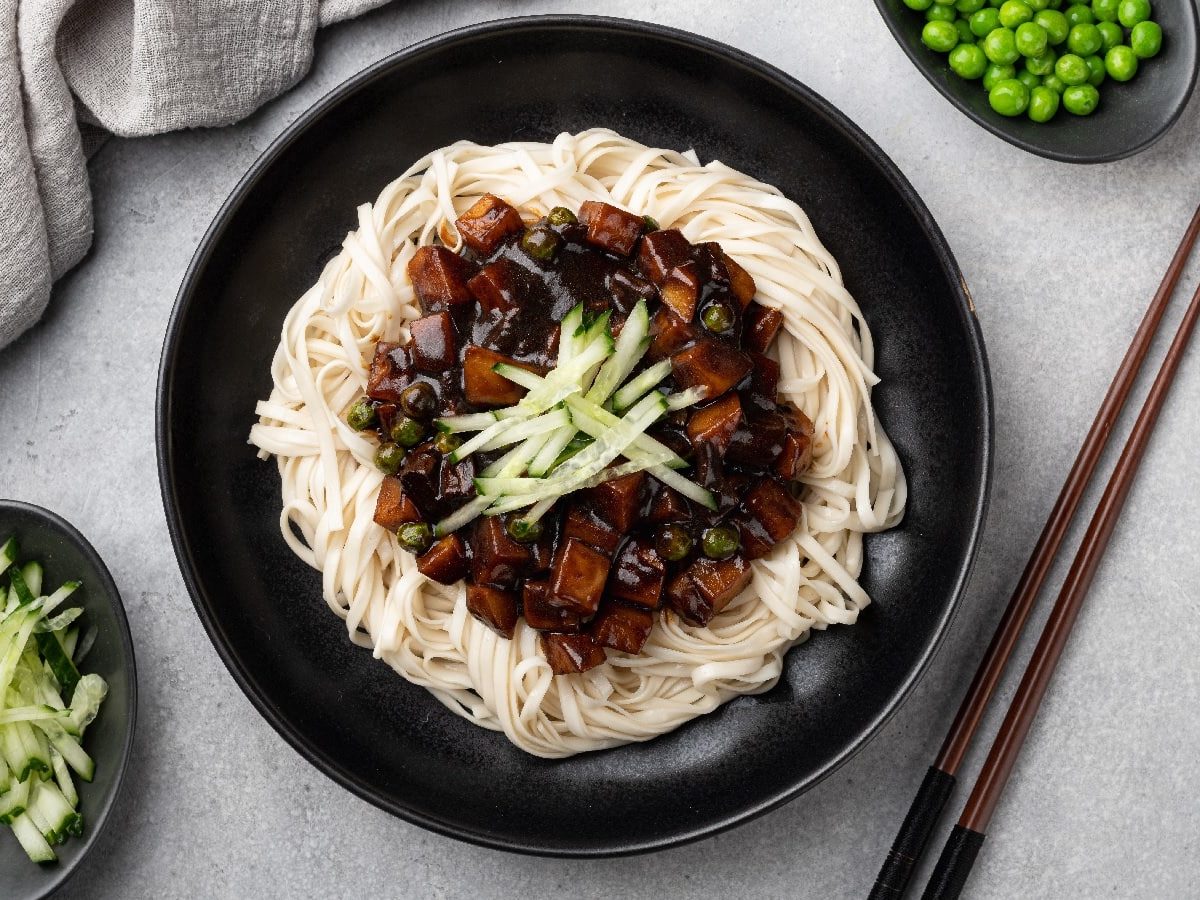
[631, 345]
[636, 387]
[60, 663]
[31, 573]
[548, 455]
[32, 840]
[20, 587]
[8, 554]
[596, 420]
[512, 463]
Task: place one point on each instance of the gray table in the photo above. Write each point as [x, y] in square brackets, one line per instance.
[1061, 261]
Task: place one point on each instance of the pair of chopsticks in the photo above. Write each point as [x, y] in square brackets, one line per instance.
[954, 866]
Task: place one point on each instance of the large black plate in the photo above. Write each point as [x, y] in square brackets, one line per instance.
[391, 742]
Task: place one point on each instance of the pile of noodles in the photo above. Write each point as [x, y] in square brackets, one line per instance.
[422, 629]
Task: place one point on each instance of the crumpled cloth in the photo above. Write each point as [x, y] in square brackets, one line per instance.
[72, 70]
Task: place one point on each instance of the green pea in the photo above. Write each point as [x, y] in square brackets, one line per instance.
[1001, 47]
[1037, 5]
[408, 432]
[1130, 12]
[415, 537]
[1055, 83]
[984, 21]
[1014, 12]
[719, 542]
[1096, 71]
[362, 415]
[1084, 40]
[1071, 69]
[649, 223]
[968, 61]
[419, 400]
[1028, 79]
[1009, 97]
[918, 5]
[1078, 14]
[964, 31]
[940, 36]
[996, 3]
[540, 243]
[1111, 33]
[1146, 39]
[523, 531]
[673, 543]
[994, 74]
[718, 317]
[446, 443]
[1032, 39]
[1081, 99]
[560, 215]
[1056, 25]
[967, 7]
[1041, 65]
[944, 2]
[1121, 63]
[941, 14]
[388, 458]
[1043, 104]
[1105, 10]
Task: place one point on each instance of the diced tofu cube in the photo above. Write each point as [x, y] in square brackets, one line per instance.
[710, 364]
[758, 441]
[797, 454]
[495, 608]
[705, 587]
[669, 505]
[764, 379]
[683, 597]
[392, 508]
[761, 325]
[496, 558]
[391, 372]
[498, 285]
[439, 276]
[483, 386]
[583, 524]
[716, 423]
[637, 575]
[540, 615]
[668, 333]
[681, 289]
[569, 654]
[433, 343]
[755, 541]
[661, 251]
[488, 222]
[741, 284]
[770, 503]
[618, 500]
[610, 228]
[456, 483]
[445, 561]
[577, 577]
[622, 627]
[420, 478]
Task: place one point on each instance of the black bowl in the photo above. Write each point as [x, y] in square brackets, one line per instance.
[390, 741]
[66, 555]
[1130, 118]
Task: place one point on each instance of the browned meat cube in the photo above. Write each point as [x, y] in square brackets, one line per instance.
[758, 442]
[797, 453]
[434, 343]
[482, 386]
[661, 251]
[683, 597]
[498, 285]
[618, 500]
[610, 228]
[756, 543]
[571, 653]
[487, 223]
[540, 615]
[493, 607]
[717, 422]
[764, 379]
[577, 577]
[392, 508]
[770, 503]
[668, 333]
[718, 581]
[710, 364]
[445, 561]
[637, 575]
[420, 479]
[457, 481]
[762, 324]
[741, 284]
[669, 505]
[391, 372]
[622, 627]
[586, 526]
[439, 276]
[496, 558]
[681, 289]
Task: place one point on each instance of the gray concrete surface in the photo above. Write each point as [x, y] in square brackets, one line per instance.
[1061, 260]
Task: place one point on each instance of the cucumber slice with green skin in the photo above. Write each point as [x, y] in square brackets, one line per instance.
[71, 641]
[8, 554]
[32, 841]
[73, 754]
[684, 399]
[631, 346]
[59, 622]
[6, 779]
[34, 715]
[14, 801]
[32, 573]
[571, 326]
[512, 463]
[636, 388]
[21, 587]
[13, 638]
[85, 704]
[14, 752]
[551, 421]
[60, 663]
[37, 748]
[62, 775]
[548, 456]
[469, 422]
[562, 381]
[596, 420]
[52, 807]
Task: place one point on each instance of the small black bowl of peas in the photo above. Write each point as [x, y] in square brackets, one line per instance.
[1082, 82]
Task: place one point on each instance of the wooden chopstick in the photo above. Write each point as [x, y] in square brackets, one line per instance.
[958, 856]
[940, 778]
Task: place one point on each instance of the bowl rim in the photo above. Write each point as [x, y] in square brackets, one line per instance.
[69, 532]
[601, 25]
[1078, 158]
